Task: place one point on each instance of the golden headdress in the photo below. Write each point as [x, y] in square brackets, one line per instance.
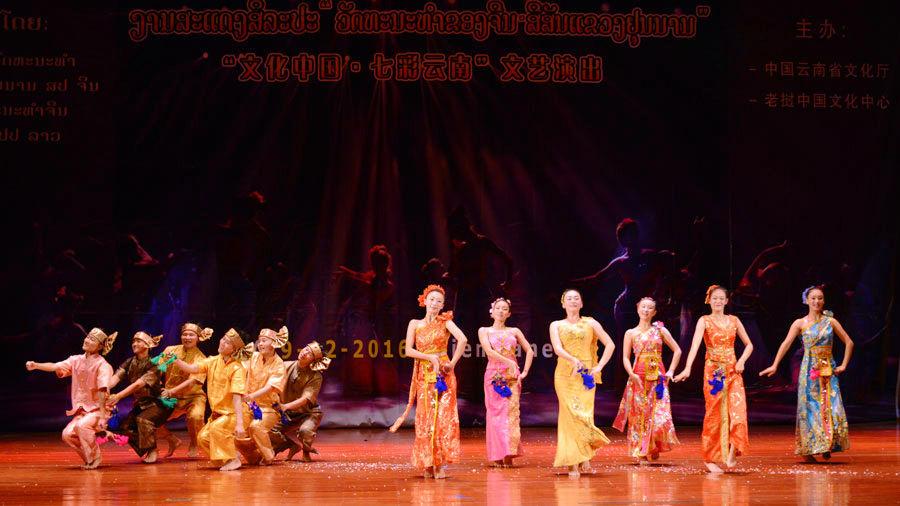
[149, 342]
[106, 341]
[279, 338]
[202, 334]
[320, 361]
[241, 352]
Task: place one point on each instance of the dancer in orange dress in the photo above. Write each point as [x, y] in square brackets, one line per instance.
[433, 385]
[724, 434]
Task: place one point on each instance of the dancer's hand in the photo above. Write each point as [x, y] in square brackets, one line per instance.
[112, 399]
[636, 380]
[240, 433]
[768, 371]
[685, 374]
[596, 372]
[669, 375]
[446, 368]
[839, 369]
[435, 363]
[739, 367]
[576, 365]
[30, 365]
[522, 376]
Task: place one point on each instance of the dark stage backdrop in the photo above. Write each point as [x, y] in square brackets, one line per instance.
[316, 165]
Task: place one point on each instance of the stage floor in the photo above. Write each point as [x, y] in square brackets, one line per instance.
[367, 466]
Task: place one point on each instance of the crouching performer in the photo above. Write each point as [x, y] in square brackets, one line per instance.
[225, 387]
[301, 414]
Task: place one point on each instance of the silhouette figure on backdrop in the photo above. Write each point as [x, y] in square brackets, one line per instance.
[471, 276]
[243, 249]
[370, 314]
[645, 272]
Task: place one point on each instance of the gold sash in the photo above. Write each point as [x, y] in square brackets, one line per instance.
[822, 359]
[651, 362]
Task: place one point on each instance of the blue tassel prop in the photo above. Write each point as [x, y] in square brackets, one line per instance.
[284, 418]
[718, 382]
[500, 386]
[113, 422]
[255, 409]
[440, 384]
[660, 389]
[587, 378]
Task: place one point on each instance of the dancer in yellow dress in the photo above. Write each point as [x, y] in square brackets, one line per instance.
[574, 340]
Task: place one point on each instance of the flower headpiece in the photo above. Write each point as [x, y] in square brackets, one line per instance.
[428, 289]
[106, 341]
[713, 288]
[498, 299]
[149, 342]
[279, 338]
[202, 334]
[809, 289]
[651, 299]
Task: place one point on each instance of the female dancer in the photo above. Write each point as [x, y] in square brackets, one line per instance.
[503, 384]
[724, 434]
[574, 340]
[821, 421]
[645, 404]
[433, 385]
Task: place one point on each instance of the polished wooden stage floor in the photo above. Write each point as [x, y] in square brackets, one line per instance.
[367, 466]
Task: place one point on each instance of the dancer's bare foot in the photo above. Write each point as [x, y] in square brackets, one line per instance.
[495, 463]
[429, 472]
[507, 461]
[151, 456]
[174, 443]
[94, 464]
[654, 456]
[642, 461]
[585, 467]
[573, 472]
[192, 451]
[306, 457]
[810, 459]
[713, 468]
[440, 474]
[265, 462]
[731, 461]
[294, 450]
[826, 455]
[231, 465]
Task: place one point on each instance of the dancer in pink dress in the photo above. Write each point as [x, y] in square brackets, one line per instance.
[503, 384]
